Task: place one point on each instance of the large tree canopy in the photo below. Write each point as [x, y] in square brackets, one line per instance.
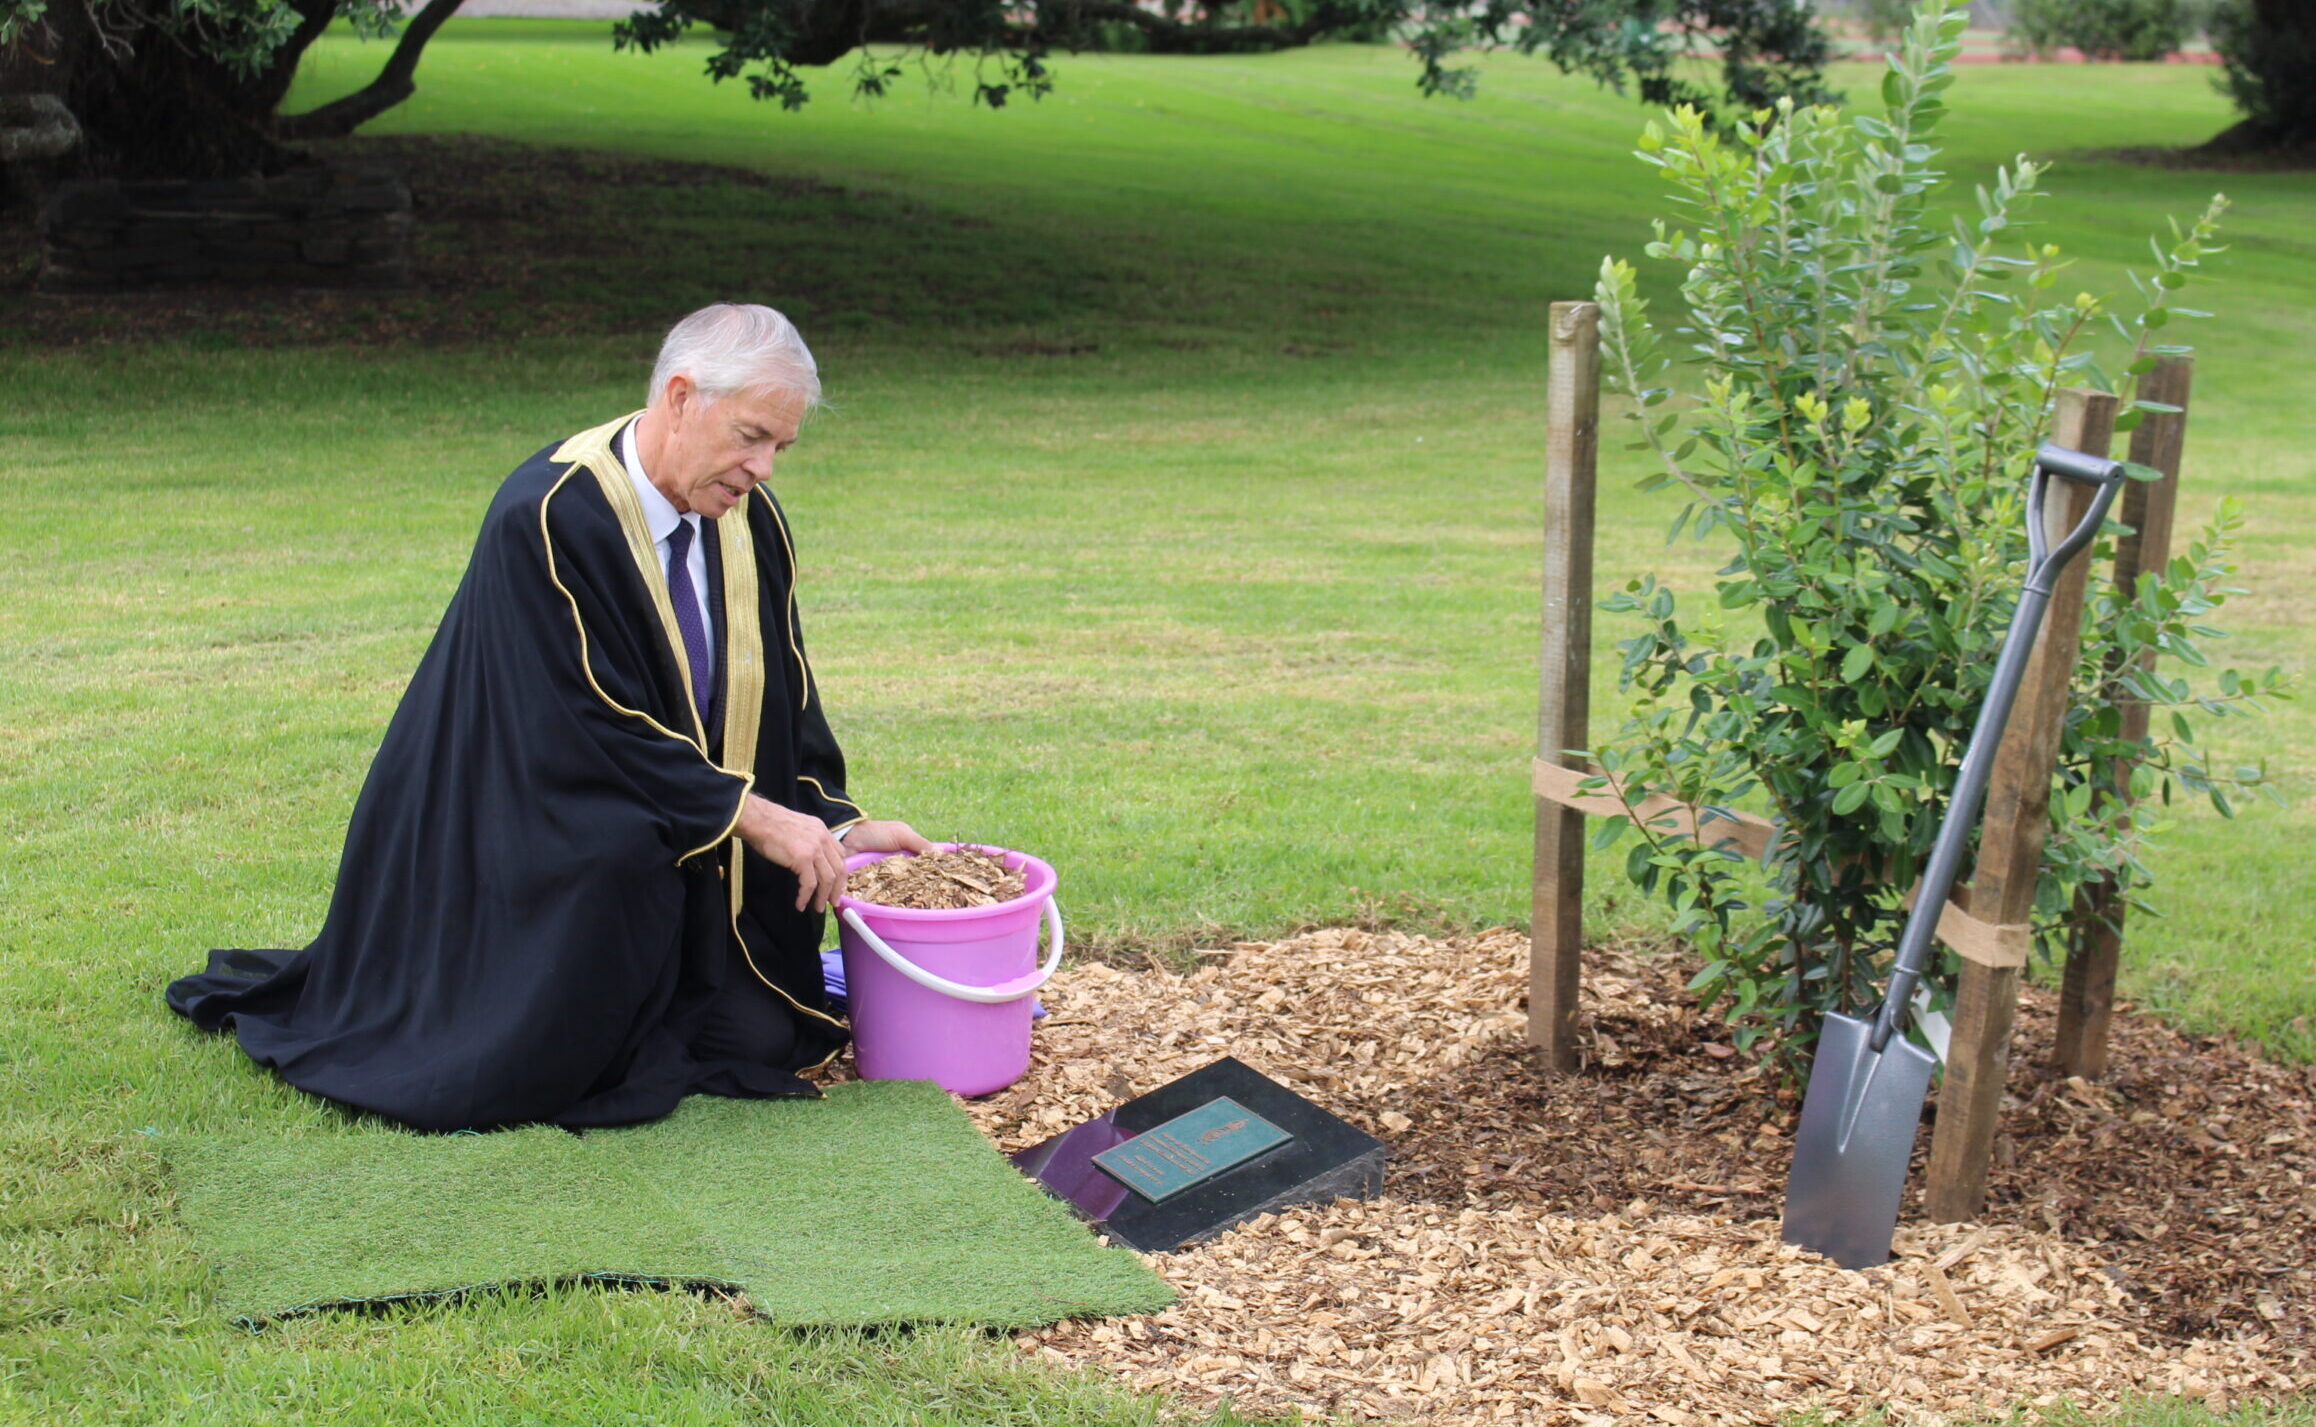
[195, 86]
[2268, 48]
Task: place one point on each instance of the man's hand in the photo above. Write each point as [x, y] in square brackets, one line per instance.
[802, 844]
[871, 835]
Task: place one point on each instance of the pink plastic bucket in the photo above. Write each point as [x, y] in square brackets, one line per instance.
[945, 996]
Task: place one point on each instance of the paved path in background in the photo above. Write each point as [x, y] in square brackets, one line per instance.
[553, 9]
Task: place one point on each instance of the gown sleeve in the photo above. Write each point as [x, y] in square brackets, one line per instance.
[603, 740]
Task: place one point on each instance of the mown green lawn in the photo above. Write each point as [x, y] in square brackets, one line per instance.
[1177, 520]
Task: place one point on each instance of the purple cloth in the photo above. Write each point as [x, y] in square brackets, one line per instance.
[688, 620]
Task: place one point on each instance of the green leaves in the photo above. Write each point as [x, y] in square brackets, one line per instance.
[1867, 380]
[19, 17]
[241, 35]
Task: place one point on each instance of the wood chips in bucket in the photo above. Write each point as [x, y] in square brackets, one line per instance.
[937, 881]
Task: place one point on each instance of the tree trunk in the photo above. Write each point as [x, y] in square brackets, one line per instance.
[150, 103]
[168, 114]
[148, 106]
[2268, 48]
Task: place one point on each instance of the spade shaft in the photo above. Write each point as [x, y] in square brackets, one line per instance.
[1866, 1082]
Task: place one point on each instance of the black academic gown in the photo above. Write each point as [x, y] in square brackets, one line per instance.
[533, 918]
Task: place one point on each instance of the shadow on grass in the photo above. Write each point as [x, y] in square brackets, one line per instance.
[514, 241]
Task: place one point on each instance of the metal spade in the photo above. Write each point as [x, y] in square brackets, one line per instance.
[1867, 1081]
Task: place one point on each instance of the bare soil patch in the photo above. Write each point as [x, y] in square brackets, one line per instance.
[1604, 1244]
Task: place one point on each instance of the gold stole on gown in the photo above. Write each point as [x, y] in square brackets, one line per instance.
[743, 637]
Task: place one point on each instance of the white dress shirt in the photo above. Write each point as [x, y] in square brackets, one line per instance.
[660, 514]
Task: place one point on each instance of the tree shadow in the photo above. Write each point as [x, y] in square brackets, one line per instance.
[515, 241]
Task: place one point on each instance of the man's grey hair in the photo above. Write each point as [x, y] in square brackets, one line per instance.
[734, 347]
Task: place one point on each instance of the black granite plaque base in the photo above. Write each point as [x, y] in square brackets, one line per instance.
[1187, 1192]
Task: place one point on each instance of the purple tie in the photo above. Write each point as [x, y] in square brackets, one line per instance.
[687, 613]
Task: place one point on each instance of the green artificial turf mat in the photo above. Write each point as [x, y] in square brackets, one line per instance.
[879, 1204]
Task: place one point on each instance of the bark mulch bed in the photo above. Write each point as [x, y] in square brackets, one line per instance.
[1604, 1245]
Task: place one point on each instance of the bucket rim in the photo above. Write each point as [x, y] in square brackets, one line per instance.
[1039, 880]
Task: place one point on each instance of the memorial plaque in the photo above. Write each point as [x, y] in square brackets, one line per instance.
[1190, 1149]
[1195, 1157]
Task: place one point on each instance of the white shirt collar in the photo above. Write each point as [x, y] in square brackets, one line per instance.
[659, 513]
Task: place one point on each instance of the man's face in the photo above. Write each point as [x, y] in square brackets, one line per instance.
[717, 452]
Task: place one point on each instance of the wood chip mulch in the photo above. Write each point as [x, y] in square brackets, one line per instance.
[1604, 1245]
[950, 879]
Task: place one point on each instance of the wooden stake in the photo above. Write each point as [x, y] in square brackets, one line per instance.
[2087, 998]
[1564, 693]
[2010, 849]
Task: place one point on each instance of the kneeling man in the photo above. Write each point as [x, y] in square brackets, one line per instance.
[587, 872]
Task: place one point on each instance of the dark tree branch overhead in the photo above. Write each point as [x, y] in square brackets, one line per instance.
[395, 83]
[270, 86]
[195, 86]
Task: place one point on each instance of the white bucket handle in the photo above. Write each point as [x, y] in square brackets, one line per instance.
[1012, 990]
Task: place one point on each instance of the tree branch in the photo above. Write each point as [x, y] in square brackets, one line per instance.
[394, 84]
[262, 95]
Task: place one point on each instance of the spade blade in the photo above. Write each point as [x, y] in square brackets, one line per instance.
[1857, 1134]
